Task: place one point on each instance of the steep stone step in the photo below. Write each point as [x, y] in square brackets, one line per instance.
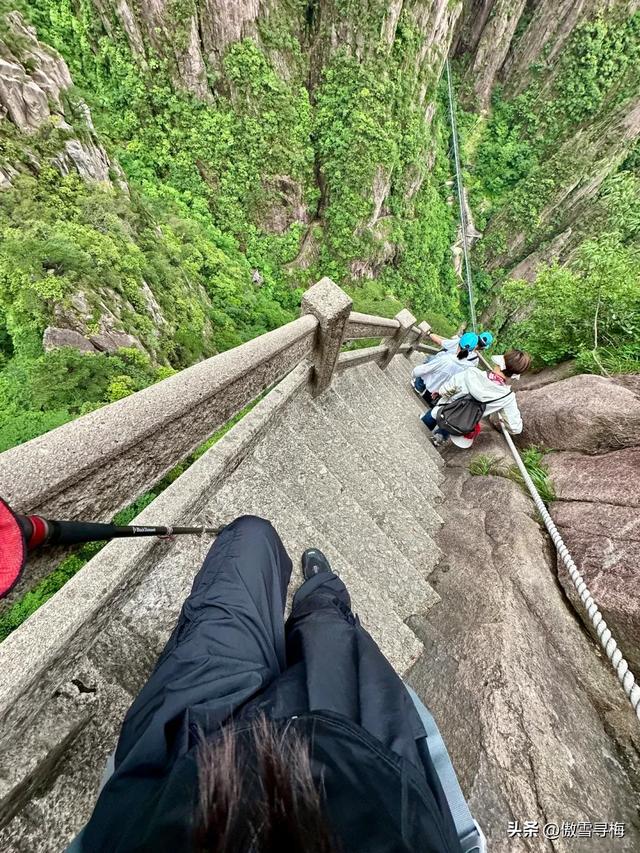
[250, 491]
[399, 371]
[287, 459]
[400, 413]
[378, 456]
[362, 483]
[411, 460]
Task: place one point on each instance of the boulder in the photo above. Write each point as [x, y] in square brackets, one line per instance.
[612, 478]
[54, 338]
[111, 341]
[531, 381]
[604, 541]
[585, 413]
[534, 719]
[630, 381]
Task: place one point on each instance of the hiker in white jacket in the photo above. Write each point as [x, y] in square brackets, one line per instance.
[438, 370]
[491, 388]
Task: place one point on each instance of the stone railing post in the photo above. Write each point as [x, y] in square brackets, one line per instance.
[425, 328]
[406, 320]
[331, 306]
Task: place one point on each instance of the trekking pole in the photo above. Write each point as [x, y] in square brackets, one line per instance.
[23, 534]
[40, 531]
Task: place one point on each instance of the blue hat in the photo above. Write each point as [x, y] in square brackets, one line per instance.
[486, 338]
[469, 341]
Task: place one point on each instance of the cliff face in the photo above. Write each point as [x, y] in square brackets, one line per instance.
[552, 162]
[311, 136]
[35, 101]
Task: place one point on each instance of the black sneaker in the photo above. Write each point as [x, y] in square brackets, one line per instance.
[314, 562]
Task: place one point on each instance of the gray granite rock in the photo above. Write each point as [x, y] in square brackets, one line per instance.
[55, 338]
[534, 720]
[587, 413]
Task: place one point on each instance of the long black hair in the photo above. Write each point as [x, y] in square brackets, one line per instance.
[257, 795]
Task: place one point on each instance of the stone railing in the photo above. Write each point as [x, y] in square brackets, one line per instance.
[94, 466]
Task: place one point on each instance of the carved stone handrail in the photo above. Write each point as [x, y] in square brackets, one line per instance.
[369, 326]
[97, 464]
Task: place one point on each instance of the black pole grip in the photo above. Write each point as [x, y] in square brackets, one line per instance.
[77, 532]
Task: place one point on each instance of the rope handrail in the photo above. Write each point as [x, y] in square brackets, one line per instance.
[461, 197]
[620, 665]
[626, 678]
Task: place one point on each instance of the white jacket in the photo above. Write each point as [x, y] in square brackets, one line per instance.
[498, 397]
[439, 369]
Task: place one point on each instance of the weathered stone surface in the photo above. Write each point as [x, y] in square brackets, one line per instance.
[405, 322]
[55, 338]
[111, 341]
[32, 82]
[28, 96]
[95, 465]
[331, 306]
[611, 478]
[585, 413]
[283, 205]
[533, 381]
[630, 381]
[534, 720]
[89, 160]
[604, 541]
[493, 45]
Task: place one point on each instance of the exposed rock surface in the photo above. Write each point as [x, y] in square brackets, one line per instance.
[597, 510]
[539, 728]
[34, 80]
[532, 381]
[586, 413]
[283, 205]
[611, 478]
[111, 341]
[32, 83]
[604, 541]
[54, 338]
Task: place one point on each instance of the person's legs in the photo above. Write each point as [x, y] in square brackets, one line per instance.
[333, 664]
[227, 645]
[429, 421]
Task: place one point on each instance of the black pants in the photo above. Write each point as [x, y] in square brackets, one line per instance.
[231, 652]
[232, 655]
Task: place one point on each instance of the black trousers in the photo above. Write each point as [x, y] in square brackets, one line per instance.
[232, 655]
[232, 652]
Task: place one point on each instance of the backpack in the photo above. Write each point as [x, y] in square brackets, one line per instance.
[460, 416]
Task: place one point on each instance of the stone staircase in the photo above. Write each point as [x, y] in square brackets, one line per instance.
[349, 471]
[362, 489]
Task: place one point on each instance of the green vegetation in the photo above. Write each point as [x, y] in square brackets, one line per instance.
[575, 311]
[485, 465]
[207, 182]
[529, 148]
[537, 470]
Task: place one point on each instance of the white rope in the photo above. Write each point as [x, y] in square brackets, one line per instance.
[461, 198]
[610, 646]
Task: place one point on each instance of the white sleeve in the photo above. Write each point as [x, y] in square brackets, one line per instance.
[452, 386]
[450, 344]
[421, 370]
[511, 415]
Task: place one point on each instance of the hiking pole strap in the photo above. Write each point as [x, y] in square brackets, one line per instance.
[470, 835]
